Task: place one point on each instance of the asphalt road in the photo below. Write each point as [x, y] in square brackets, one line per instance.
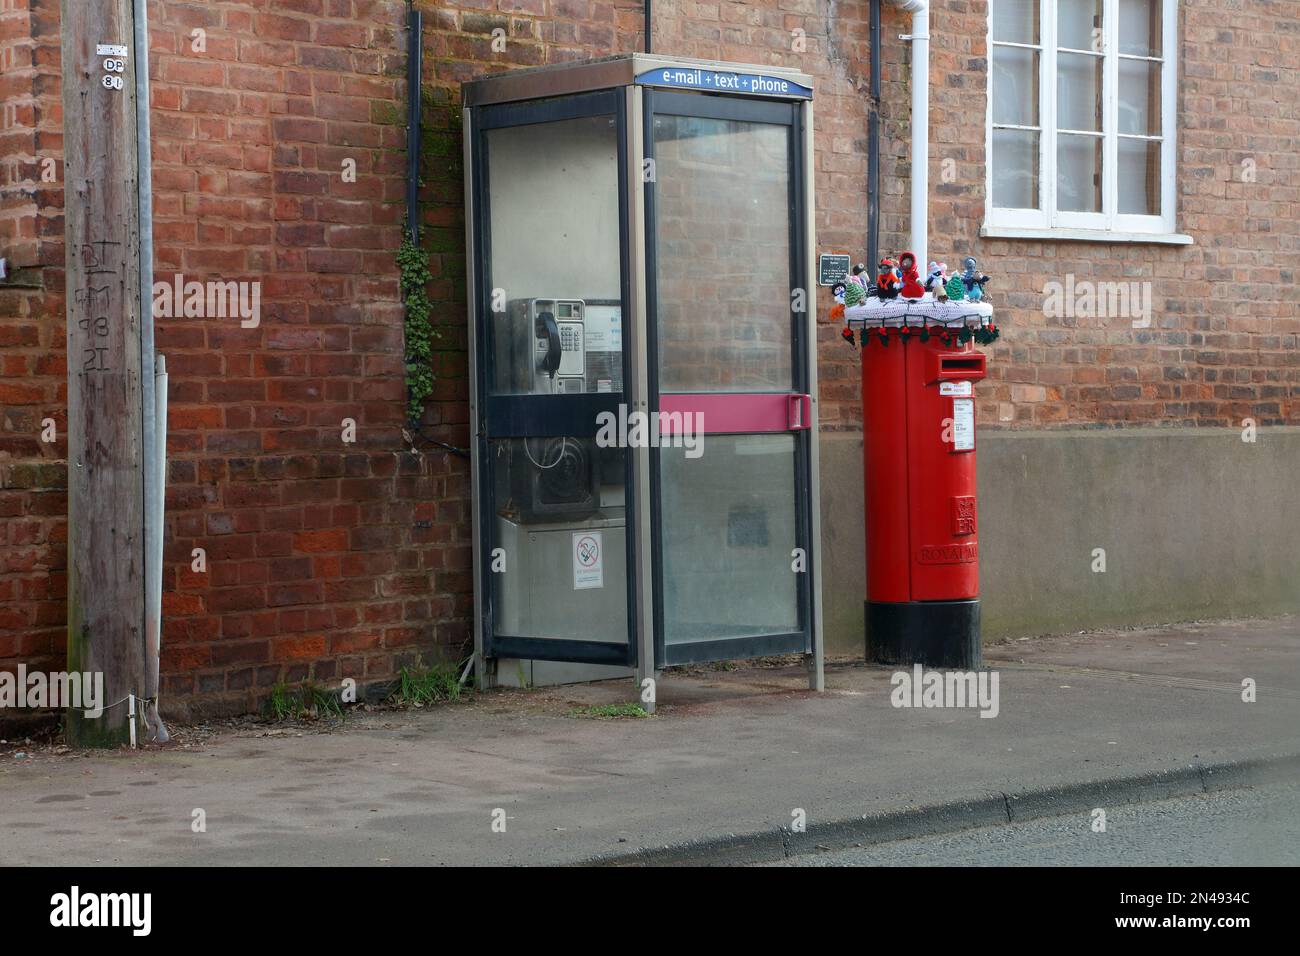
[1255, 827]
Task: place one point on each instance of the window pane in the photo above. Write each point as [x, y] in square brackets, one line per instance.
[1141, 27]
[1078, 91]
[1078, 24]
[1015, 169]
[550, 497]
[722, 193]
[1078, 173]
[728, 529]
[555, 252]
[1015, 86]
[1139, 97]
[1139, 176]
[1015, 21]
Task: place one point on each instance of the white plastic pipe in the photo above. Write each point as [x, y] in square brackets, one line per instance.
[155, 404]
[920, 38]
[156, 509]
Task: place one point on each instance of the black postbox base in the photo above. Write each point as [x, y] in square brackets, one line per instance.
[932, 633]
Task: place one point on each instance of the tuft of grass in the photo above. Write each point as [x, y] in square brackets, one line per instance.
[608, 711]
[420, 686]
[307, 700]
[281, 702]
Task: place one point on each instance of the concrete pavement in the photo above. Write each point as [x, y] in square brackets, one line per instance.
[731, 753]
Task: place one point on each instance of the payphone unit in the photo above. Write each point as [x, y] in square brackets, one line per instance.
[543, 346]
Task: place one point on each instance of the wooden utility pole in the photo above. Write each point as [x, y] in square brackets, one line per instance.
[106, 547]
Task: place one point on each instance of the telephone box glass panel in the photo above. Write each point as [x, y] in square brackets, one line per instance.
[728, 535]
[722, 189]
[553, 266]
[559, 541]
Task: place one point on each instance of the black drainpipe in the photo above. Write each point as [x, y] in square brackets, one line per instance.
[414, 80]
[647, 25]
[414, 74]
[873, 146]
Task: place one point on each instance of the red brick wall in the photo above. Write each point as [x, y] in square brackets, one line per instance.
[18, 113]
[328, 559]
[325, 559]
[1223, 342]
[1223, 339]
[33, 389]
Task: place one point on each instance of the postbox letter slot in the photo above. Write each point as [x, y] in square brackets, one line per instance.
[965, 366]
[954, 367]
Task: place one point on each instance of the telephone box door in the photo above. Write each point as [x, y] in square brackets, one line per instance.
[728, 375]
[551, 278]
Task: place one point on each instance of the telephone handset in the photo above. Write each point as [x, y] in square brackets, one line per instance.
[547, 328]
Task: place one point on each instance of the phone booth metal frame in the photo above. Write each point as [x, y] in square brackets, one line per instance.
[629, 92]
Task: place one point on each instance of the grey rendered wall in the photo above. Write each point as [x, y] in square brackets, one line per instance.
[1195, 523]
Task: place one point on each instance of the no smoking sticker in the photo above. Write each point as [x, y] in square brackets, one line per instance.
[588, 560]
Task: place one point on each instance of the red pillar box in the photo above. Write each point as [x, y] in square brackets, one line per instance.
[922, 522]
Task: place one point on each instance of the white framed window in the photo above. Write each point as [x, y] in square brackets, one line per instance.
[1080, 135]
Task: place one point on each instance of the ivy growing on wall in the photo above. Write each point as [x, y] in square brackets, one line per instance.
[413, 262]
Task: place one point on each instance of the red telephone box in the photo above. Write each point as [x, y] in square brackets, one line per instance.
[922, 523]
